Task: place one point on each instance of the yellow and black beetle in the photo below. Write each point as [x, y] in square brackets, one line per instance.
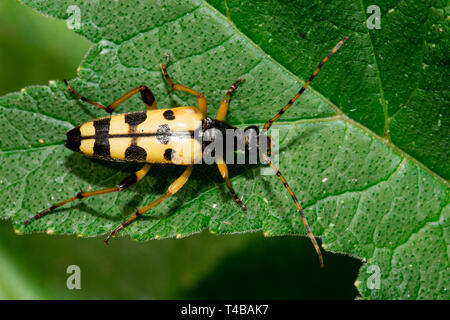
[163, 136]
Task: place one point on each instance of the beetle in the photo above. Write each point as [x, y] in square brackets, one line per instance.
[164, 136]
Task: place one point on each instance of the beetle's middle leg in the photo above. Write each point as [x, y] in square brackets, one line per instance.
[223, 109]
[147, 97]
[173, 188]
[201, 100]
[127, 182]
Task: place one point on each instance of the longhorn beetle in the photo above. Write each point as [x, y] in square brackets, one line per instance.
[159, 136]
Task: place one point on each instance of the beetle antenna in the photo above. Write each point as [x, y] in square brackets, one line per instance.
[266, 159]
[316, 71]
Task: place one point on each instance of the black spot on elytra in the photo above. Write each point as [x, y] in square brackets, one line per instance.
[101, 149]
[168, 115]
[101, 144]
[168, 154]
[134, 119]
[135, 153]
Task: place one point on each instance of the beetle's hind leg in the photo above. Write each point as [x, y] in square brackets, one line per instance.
[201, 100]
[127, 182]
[173, 188]
[147, 97]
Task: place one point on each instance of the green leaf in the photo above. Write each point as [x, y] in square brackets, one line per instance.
[397, 80]
[363, 155]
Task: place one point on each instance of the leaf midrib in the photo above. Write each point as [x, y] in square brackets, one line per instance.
[291, 123]
[386, 133]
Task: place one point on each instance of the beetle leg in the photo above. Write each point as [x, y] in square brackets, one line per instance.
[147, 97]
[223, 109]
[173, 188]
[223, 169]
[201, 100]
[127, 182]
